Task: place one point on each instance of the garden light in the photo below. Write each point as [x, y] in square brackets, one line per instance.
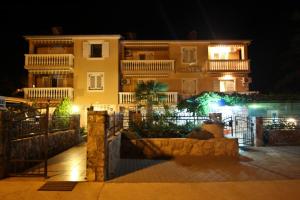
[75, 109]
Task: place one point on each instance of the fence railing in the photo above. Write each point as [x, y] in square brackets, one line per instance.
[48, 93]
[228, 65]
[146, 66]
[115, 123]
[48, 60]
[172, 121]
[129, 97]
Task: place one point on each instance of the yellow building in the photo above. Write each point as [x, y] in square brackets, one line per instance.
[102, 71]
[83, 68]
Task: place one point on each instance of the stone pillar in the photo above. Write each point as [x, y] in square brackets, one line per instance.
[96, 146]
[259, 132]
[3, 147]
[75, 125]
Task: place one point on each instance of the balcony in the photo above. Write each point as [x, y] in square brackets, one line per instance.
[228, 66]
[147, 67]
[49, 61]
[129, 98]
[48, 93]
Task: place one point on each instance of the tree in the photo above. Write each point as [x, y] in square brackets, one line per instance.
[150, 93]
[64, 109]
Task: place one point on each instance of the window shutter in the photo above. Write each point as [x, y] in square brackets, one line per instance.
[92, 82]
[105, 49]
[86, 50]
[98, 82]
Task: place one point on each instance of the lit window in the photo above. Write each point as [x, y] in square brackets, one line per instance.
[96, 81]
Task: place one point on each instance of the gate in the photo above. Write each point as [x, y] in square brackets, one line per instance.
[28, 144]
[243, 130]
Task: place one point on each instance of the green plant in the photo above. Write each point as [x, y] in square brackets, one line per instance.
[83, 131]
[62, 113]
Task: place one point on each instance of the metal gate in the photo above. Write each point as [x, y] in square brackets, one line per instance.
[243, 130]
[28, 144]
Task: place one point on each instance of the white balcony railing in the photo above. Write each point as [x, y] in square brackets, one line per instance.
[48, 60]
[48, 93]
[228, 65]
[146, 66]
[129, 97]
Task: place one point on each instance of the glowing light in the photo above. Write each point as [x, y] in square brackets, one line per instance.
[75, 109]
[292, 121]
[227, 77]
[254, 106]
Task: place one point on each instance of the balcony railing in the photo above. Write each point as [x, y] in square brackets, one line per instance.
[147, 66]
[129, 97]
[48, 93]
[228, 65]
[46, 61]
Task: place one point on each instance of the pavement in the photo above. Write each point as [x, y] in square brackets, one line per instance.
[260, 173]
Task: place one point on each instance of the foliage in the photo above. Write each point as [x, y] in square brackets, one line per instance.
[150, 93]
[64, 109]
[62, 113]
[162, 126]
[199, 105]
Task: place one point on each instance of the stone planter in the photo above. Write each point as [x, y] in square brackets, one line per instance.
[217, 130]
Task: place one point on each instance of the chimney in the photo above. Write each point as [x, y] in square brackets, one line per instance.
[192, 35]
[130, 35]
[57, 30]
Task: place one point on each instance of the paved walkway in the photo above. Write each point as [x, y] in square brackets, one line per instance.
[69, 165]
[263, 163]
[261, 173]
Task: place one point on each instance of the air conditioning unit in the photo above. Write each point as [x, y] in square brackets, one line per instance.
[125, 81]
[246, 80]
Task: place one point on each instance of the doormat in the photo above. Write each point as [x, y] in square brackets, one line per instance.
[58, 186]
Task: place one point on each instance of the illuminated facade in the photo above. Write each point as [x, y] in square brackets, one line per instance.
[102, 70]
[187, 67]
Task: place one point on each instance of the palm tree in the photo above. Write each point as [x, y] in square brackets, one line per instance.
[150, 93]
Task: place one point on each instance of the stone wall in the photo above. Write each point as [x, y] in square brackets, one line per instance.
[114, 146]
[282, 137]
[173, 147]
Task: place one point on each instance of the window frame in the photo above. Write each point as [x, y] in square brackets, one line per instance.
[95, 74]
[182, 53]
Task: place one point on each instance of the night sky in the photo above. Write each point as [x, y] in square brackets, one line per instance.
[274, 29]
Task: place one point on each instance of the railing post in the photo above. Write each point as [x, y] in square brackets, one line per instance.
[4, 146]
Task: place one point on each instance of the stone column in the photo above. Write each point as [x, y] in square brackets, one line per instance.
[259, 132]
[75, 125]
[3, 147]
[96, 146]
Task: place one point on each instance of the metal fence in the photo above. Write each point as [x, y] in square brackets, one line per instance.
[115, 123]
[168, 121]
[282, 123]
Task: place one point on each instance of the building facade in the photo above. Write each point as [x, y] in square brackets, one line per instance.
[102, 70]
[82, 68]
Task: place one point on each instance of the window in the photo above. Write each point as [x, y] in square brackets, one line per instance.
[189, 54]
[227, 86]
[95, 50]
[95, 81]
